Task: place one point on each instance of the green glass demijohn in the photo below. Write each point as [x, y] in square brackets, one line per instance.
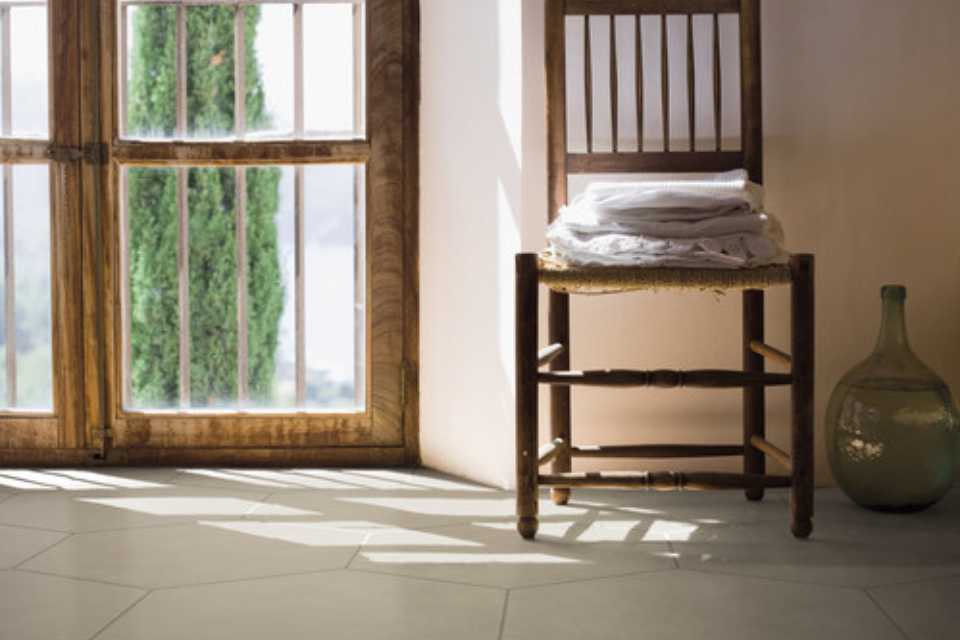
[891, 423]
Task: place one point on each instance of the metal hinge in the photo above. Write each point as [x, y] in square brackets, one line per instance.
[102, 439]
[94, 153]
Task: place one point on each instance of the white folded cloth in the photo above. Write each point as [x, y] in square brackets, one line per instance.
[712, 221]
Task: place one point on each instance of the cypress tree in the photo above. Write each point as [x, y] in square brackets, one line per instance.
[153, 218]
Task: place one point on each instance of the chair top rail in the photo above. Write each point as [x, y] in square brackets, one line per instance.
[649, 7]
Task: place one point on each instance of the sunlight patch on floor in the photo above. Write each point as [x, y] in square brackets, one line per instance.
[197, 506]
[465, 558]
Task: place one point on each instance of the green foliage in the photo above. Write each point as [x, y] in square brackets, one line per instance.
[154, 226]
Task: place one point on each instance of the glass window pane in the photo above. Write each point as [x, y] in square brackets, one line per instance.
[333, 199]
[151, 69]
[330, 45]
[328, 81]
[152, 343]
[271, 309]
[333, 307]
[27, 99]
[269, 71]
[26, 331]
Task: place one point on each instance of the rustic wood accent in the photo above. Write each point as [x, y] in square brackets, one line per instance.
[663, 378]
[754, 398]
[561, 411]
[608, 7]
[802, 346]
[86, 155]
[691, 85]
[638, 66]
[215, 456]
[717, 95]
[561, 279]
[661, 480]
[233, 153]
[656, 161]
[751, 100]
[771, 353]
[614, 97]
[780, 456]
[547, 355]
[550, 450]
[665, 82]
[526, 393]
[588, 82]
[657, 451]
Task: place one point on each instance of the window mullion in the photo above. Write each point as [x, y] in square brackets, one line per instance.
[9, 273]
[299, 250]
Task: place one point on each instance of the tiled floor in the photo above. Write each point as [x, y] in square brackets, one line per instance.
[133, 554]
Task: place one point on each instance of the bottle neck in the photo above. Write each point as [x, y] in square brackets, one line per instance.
[893, 328]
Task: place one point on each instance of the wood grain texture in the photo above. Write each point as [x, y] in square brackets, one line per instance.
[779, 456]
[754, 397]
[751, 90]
[657, 451]
[661, 480]
[802, 347]
[630, 7]
[663, 378]
[556, 107]
[86, 264]
[655, 161]
[561, 411]
[527, 420]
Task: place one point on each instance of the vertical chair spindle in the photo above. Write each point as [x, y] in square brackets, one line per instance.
[526, 389]
[754, 397]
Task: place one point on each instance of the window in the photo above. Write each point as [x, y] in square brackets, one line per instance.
[242, 174]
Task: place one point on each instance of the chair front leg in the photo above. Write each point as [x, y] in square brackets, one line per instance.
[526, 388]
[802, 347]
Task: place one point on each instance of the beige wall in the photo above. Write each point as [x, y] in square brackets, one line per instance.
[862, 123]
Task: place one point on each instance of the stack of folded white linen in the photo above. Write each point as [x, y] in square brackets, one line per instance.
[712, 221]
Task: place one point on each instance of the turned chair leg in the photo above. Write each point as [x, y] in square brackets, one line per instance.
[526, 381]
[560, 414]
[754, 397]
[802, 346]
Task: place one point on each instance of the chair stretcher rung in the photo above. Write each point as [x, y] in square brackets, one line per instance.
[663, 378]
[662, 480]
[657, 451]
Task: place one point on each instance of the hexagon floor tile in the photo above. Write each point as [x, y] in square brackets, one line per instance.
[338, 604]
[684, 605]
[925, 610]
[838, 553]
[497, 556]
[211, 551]
[35, 607]
[18, 544]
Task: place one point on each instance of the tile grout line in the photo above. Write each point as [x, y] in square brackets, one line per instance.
[42, 551]
[214, 583]
[403, 576]
[806, 583]
[105, 583]
[629, 574]
[884, 613]
[125, 611]
[503, 615]
[904, 583]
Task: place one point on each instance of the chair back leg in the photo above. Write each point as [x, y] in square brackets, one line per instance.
[754, 397]
[802, 345]
[560, 410]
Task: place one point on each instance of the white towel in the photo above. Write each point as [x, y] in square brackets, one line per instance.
[713, 221]
[672, 199]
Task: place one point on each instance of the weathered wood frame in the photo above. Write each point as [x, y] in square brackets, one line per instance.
[753, 379]
[86, 153]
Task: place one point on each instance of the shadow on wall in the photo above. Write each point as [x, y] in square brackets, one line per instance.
[470, 229]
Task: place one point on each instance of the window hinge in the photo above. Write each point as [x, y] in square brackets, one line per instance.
[102, 439]
[94, 153]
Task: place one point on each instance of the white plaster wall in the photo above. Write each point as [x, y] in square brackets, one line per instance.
[861, 104]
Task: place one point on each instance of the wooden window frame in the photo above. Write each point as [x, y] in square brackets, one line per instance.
[86, 153]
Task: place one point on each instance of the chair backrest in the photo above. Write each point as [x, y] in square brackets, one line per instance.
[616, 35]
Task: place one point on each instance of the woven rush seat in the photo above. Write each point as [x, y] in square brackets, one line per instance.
[597, 280]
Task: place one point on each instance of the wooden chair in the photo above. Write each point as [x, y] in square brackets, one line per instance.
[532, 270]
